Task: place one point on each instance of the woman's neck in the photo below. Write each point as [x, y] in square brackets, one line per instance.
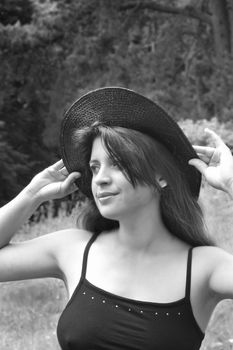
[143, 231]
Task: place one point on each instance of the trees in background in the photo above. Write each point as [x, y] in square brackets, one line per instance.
[178, 52]
[13, 165]
[27, 74]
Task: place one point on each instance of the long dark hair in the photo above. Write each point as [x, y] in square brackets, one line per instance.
[140, 157]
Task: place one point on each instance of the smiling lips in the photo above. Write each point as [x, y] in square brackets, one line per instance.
[105, 194]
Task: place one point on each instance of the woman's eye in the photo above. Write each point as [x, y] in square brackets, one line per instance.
[94, 169]
[115, 165]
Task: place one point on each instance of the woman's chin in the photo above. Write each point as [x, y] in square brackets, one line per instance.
[110, 214]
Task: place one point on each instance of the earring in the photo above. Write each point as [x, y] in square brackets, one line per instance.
[162, 183]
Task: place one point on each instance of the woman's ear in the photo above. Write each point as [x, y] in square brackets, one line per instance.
[161, 181]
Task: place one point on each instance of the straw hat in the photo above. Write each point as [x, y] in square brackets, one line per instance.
[116, 106]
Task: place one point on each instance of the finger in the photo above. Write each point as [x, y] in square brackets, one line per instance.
[72, 188]
[215, 138]
[70, 180]
[58, 165]
[198, 164]
[64, 171]
[208, 151]
[204, 158]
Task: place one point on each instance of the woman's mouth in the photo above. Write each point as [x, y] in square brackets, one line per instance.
[105, 196]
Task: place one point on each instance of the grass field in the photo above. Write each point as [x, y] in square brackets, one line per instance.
[29, 310]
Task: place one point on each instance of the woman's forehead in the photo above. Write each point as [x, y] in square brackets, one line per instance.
[98, 149]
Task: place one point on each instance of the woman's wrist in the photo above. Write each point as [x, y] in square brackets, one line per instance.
[31, 197]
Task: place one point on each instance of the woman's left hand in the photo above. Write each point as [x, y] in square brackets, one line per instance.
[215, 163]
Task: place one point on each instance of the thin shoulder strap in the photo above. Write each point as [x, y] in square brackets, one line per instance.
[188, 274]
[85, 255]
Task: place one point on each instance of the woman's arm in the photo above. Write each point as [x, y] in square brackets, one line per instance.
[37, 257]
[216, 165]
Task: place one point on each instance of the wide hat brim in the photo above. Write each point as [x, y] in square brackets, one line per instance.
[116, 106]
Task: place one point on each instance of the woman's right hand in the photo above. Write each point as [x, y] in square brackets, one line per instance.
[52, 183]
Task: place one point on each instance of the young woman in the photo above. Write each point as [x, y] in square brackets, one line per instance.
[141, 272]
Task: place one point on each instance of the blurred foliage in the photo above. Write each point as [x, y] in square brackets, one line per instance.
[12, 11]
[13, 165]
[197, 136]
[53, 51]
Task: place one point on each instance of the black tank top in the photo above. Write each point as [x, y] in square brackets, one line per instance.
[95, 319]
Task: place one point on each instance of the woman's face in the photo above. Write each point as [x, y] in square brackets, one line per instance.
[114, 195]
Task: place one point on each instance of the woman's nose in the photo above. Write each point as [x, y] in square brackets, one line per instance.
[103, 176]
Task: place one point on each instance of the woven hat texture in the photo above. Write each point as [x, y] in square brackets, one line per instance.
[116, 106]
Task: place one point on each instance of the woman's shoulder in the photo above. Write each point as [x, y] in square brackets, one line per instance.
[67, 240]
[208, 258]
[210, 252]
[69, 245]
[72, 235]
[217, 265]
